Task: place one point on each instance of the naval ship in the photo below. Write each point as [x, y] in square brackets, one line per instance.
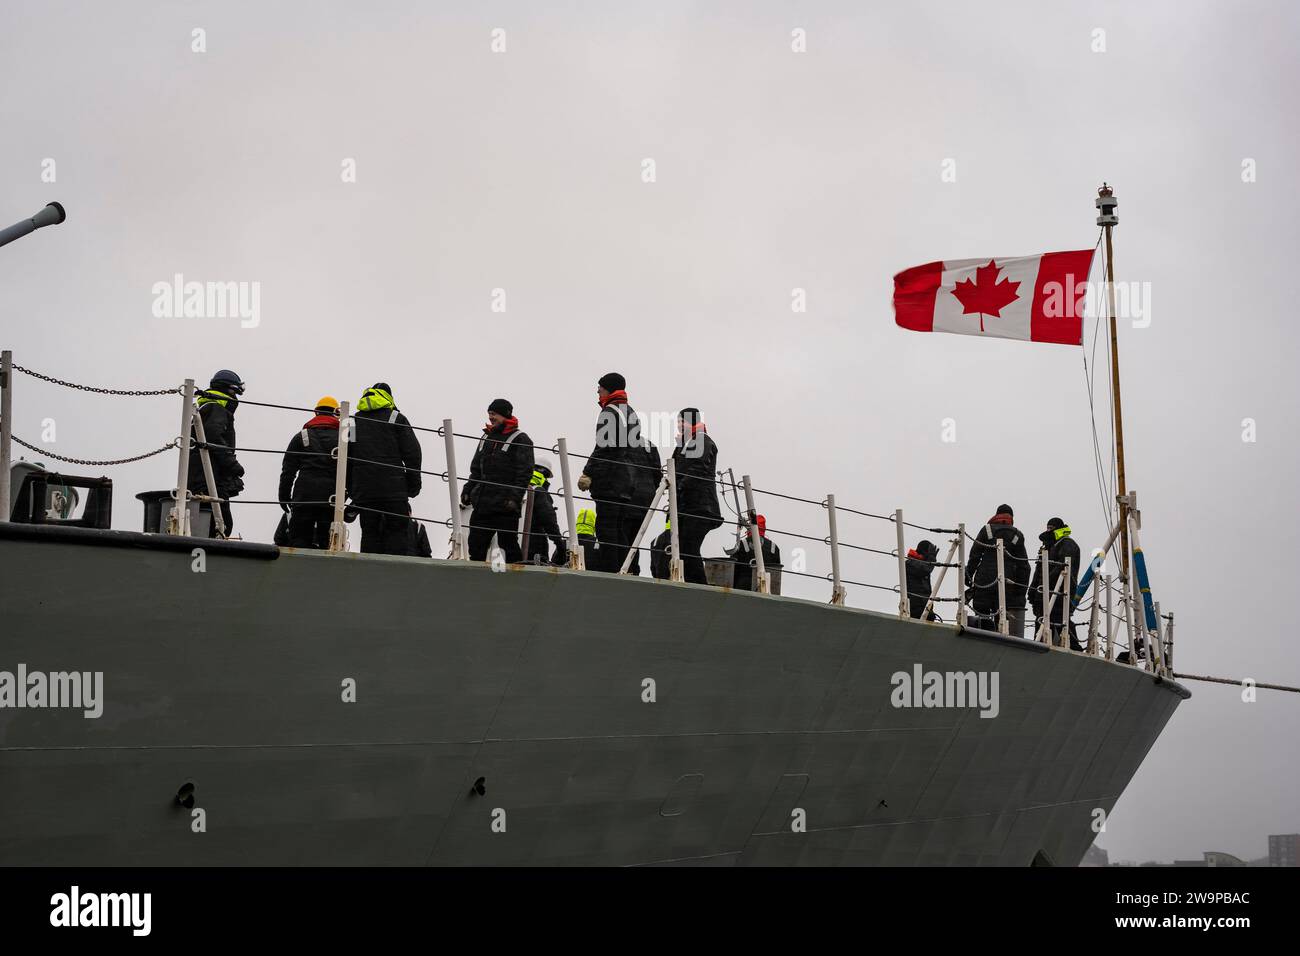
[264, 705]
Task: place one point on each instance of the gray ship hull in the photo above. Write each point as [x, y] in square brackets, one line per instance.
[768, 711]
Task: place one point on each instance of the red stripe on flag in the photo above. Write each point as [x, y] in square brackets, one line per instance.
[914, 291]
[1059, 293]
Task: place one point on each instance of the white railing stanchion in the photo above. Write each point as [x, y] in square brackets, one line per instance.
[1046, 579]
[903, 606]
[838, 593]
[338, 526]
[755, 539]
[6, 430]
[1002, 588]
[218, 519]
[676, 567]
[961, 574]
[179, 520]
[1092, 614]
[576, 557]
[943, 571]
[650, 512]
[1067, 604]
[458, 552]
[1110, 621]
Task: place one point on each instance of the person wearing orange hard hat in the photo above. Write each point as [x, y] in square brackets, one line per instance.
[307, 477]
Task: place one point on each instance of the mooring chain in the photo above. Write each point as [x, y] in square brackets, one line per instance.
[87, 461]
[175, 390]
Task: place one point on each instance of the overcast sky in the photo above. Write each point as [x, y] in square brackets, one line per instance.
[522, 171]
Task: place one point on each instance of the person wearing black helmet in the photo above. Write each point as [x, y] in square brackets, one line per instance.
[920, 565]
[216, 406]
[1059, 546]
[383, 472]
[545, 529]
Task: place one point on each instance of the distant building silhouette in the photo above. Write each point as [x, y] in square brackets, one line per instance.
[1282, 849]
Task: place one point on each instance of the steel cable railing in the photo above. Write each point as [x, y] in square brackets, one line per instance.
[1129, 605]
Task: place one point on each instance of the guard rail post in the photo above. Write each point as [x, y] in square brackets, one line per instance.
[577, 560]
[179, 520]
[338, 526]
[1002, 588]
[755, 539]
[676, 568]
[837, 588]
[902, 566]
[6, 429]
[453, 492]
[961, 574]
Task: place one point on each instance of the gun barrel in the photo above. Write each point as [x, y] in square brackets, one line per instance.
[51, 215]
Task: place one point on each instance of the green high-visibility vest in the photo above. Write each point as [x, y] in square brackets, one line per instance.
[587, 522]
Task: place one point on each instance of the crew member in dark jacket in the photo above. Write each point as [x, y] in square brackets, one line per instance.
[622, 474]
[307, 477]
[920, 565]
[545, 529]
[661, 553]
[498, 478]
[384, 467]
[743, 555]
[217, 408]
[695, 461]
[1058, 544]
[982, 573]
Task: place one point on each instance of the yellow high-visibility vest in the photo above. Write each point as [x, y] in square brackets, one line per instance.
[587, 522]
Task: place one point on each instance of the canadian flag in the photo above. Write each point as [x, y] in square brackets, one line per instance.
[1035, 298]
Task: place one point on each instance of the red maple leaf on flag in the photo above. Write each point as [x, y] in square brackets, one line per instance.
[985, 294]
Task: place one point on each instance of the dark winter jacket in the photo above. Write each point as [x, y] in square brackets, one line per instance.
[696, 463]
[919, 586]
[500, 470]
[982, 566]
[217, 411]
[309, 465]
[382, 438]
[1059, 546]
[745, 564]
[623, 466]
[546, 525]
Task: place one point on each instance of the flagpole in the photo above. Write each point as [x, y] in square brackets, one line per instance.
[1106, 204]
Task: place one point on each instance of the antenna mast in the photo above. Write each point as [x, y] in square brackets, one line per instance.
[1106, 204]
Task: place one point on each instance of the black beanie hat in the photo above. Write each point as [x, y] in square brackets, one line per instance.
[1055, 523]
[690, 416]
[501, 407]
[612, 382]
[927, 550]
[1005, 510]
[384, 386]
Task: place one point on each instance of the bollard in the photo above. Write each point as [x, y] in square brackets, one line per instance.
[577, 560]
[458, 552]
[838, 593]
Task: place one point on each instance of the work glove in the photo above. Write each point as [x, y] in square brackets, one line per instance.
[584, 483]
[350, 514]
[284, 506]
[464, 499]
[512, 505]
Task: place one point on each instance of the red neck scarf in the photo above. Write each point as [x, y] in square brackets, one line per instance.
[323, 421]
[507, 426]
[614, 398]
[912, 553]
[1001, 519]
